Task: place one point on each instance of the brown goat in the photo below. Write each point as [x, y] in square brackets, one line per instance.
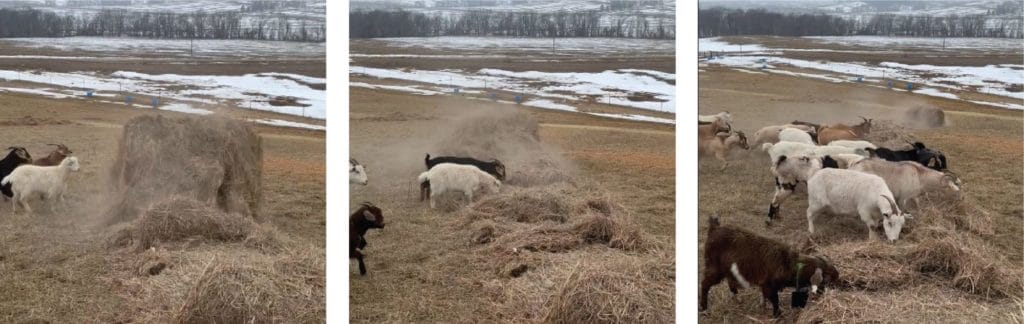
[363, 219]
[721, 144]
[712, 129]
[55, 157]
[829, 133]
[746, 259]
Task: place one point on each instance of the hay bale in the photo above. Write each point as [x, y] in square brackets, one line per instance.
[179, 218]
[511, 136]
[925, 117]
[890, 135]
[260, 293]
[615, 291]
[527, 205]
[210, 159]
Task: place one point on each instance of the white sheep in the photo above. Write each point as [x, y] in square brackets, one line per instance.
[27, 180]
[849, 192]
[789, 134]
[853, 144]
[465, 178]
[907, 179]
[356, 173]
[723, 116]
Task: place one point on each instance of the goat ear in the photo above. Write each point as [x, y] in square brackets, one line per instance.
[369, 216]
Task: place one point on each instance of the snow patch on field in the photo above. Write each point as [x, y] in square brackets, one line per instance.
[936, 93]
[638, 117]
[990, 44]
[246, 91]
[715, 44]
[285, 123]
[127, 46]
[185, 108]
[548, 104]
[40, 92]
[395, 88]
[612, 86]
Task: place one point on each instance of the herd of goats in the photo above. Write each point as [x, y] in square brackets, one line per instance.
[845, 175]
[444, 174]
[22, 178]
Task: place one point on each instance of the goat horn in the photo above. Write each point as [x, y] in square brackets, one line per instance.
[892, 204]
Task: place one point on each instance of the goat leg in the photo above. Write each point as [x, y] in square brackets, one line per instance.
[773, 296]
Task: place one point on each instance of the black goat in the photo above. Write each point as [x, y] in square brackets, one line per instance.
[919, 153]
[746, 259]
[17, 156]
[494, 168]
[363, 219]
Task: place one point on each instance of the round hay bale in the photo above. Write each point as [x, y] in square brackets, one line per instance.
[926, 117]
[210, 159]
[178, 218]
[890, 135]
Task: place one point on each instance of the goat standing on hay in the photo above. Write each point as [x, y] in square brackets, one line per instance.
[55, 157]
[28, 180]
[18, 156]
[908, 180]
[362, 220]
[849, 192]
[746, 259]
[465, 178]
[495, 168]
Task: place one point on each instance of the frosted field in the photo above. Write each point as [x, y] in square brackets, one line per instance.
[563, 46]
[174, 48]
[250, 91]
[990, 79]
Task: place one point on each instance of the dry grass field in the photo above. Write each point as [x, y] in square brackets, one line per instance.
[67, 266]
[956, 261]
[582, 230]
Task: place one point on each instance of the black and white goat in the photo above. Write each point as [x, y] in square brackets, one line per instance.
[495, 168]
[18, 156]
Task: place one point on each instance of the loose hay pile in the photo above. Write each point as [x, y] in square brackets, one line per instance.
[265, 292]
[213, 160]
[610, 291]
[181, 218]
[925, 117]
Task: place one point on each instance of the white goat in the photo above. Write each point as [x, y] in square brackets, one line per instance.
[795, 149]
[27, 180]
[724, 116]
[356, 173]
[848, 192]
[770, 134]
[907, 179]
[853, 144]
[789, 172]
[789, 134]
[466, 178]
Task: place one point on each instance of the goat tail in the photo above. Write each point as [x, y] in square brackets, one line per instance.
[6, 180]
[424, 177]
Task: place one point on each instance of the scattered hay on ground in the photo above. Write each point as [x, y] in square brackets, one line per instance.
[969, 264]
[616, 291]
[214, 160]
[274, 292]
[919, 304]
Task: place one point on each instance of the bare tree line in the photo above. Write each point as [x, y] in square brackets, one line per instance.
[382, 23]
[166, 25]
[726, 22]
